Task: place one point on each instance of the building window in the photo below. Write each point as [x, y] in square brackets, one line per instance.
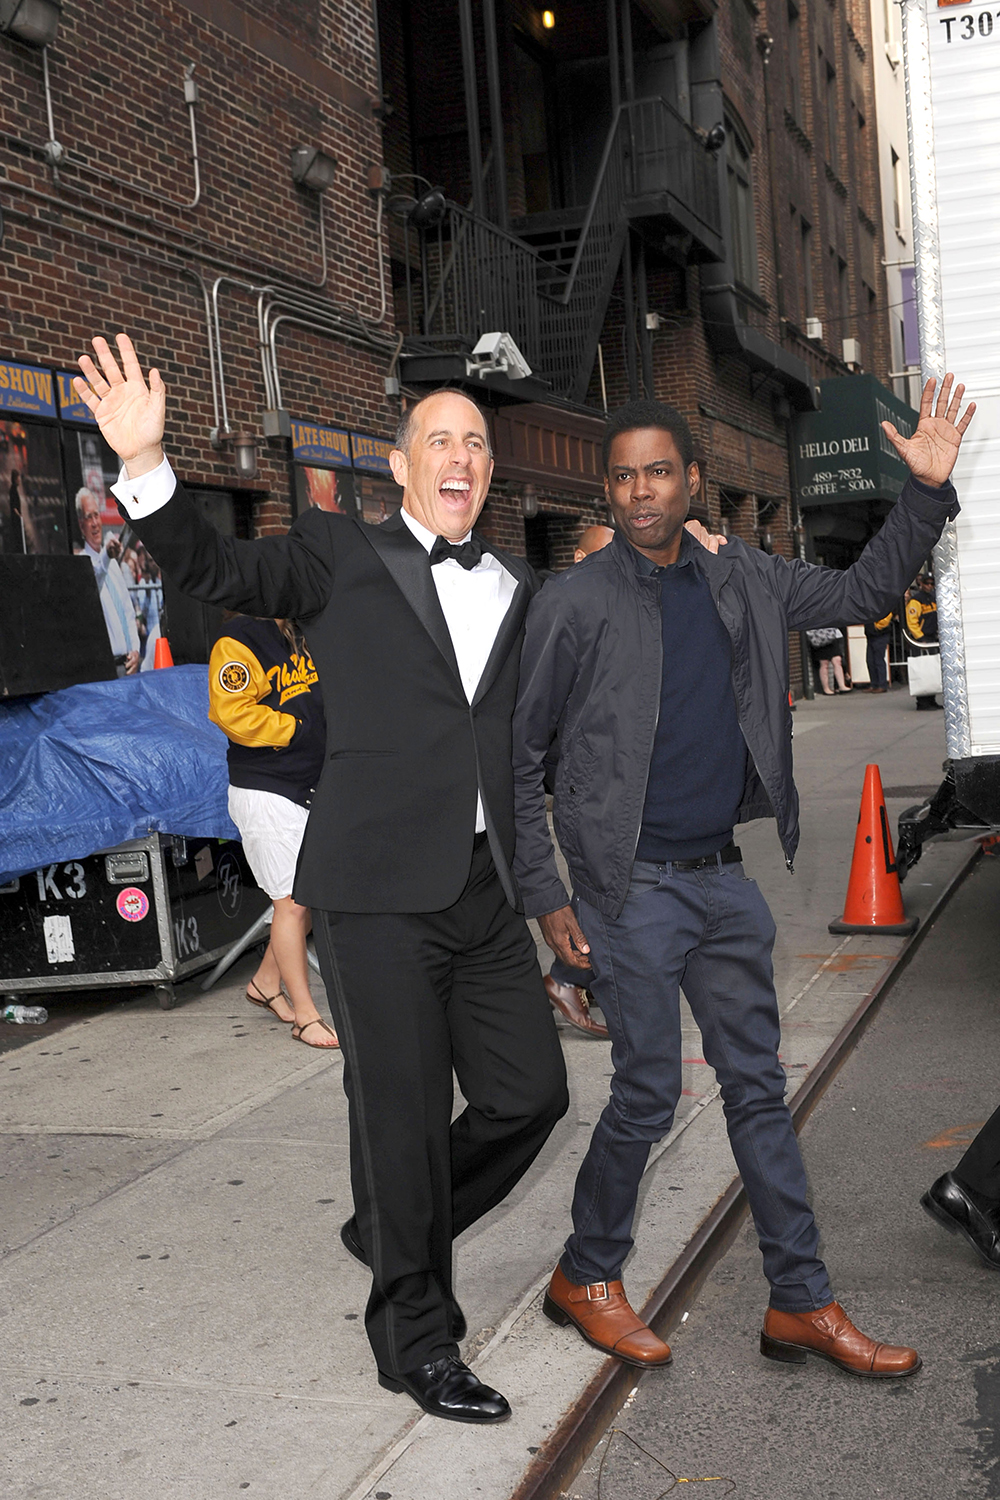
[829, 77]
[741, 215]
[794, 61]
[844, 295]
[802, 238]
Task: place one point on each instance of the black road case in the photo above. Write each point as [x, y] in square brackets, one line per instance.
[152, 911]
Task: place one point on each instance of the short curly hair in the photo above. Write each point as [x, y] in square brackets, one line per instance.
[636, 414]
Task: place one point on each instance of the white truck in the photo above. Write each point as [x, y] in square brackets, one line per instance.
[951, 52]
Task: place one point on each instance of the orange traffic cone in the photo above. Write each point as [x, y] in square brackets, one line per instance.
[874, 901]
[162, 654]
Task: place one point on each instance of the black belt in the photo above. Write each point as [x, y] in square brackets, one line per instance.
[480, 839]
[730, 855]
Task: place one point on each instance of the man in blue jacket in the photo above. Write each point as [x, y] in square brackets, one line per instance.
[663, 670]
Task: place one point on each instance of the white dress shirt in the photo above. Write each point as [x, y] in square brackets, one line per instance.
[473, 601]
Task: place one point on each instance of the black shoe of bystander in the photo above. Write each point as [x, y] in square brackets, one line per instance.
[961, 1211]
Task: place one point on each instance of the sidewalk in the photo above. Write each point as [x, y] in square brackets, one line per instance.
[179, 1317]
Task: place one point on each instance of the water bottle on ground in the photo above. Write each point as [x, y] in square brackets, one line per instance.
[25, 1015]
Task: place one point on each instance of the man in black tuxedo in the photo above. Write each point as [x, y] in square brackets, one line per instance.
[415, 628]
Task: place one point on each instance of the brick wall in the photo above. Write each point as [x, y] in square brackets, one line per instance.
[110, 245]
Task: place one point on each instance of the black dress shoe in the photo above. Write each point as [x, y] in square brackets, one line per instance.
[447, 1388]
[961, 1212]
[350, 1241]
[457, 1325]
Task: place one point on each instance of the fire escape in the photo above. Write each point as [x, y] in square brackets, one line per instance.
[464, 275]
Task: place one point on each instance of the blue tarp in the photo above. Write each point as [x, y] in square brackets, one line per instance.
[91, 766]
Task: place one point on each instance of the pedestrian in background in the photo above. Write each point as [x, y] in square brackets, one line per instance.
[877, 638]
[828, 651]
[922, 629]
[921, 611]
[263, 692]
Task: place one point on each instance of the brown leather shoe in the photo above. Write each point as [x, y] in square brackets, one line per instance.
[830, 1333]
[571, 1001]
[602, 1314]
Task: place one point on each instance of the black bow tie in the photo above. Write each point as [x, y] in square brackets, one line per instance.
[466, 554]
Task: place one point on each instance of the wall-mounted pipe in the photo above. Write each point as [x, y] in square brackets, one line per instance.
[356, 337]
[191, 100]
[472, 105]
[496, 112]
[322, 245]
[222, 426]
[56, 154]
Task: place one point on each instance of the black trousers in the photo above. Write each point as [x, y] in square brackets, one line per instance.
[414, 996]
[979, 1168]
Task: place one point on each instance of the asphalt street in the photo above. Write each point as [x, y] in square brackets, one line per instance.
[919, 1083]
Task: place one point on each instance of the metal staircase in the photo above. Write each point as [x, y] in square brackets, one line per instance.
[465, 276]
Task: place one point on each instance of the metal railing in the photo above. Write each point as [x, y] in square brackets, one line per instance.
[465, 276]
[669, 156]
[474, 277]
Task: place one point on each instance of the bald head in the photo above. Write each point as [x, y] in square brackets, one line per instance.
[592, 540]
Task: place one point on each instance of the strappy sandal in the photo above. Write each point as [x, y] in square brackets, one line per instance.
[266, 1002]
[297, 1035]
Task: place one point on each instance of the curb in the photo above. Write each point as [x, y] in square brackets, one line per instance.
[570, 1443]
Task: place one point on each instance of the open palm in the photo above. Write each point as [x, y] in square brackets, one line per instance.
[931, 452]
[129, 412]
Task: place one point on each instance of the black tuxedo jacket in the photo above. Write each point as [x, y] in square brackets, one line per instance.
[393, 818]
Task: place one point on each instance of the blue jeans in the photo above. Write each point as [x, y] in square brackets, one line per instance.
[711, 931]
[875, 655]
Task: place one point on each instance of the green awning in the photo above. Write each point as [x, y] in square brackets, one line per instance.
[840, 452]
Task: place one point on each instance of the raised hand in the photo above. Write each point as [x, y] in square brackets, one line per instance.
[129, 413]
[931, 452]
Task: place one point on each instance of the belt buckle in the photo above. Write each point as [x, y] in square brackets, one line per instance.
[597, 1291]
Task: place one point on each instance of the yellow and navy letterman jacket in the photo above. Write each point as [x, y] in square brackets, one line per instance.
[266, 700]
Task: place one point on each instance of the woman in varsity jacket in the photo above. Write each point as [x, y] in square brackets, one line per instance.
[265, 697]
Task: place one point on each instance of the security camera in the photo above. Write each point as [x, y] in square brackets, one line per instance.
[496, 353]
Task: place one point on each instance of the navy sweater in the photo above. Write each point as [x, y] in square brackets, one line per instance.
[699, 763]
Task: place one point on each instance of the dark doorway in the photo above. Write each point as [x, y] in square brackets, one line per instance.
[537, 542]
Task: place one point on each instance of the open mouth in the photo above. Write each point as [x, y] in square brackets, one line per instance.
[455, 491]
[644, 519]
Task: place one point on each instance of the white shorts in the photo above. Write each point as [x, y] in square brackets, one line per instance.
[271, 828]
